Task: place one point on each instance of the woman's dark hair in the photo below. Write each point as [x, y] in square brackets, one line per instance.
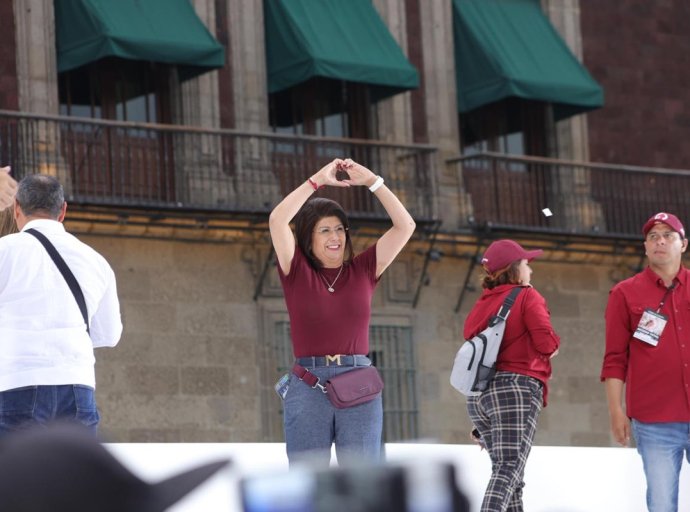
[508, 275]
[311, 213]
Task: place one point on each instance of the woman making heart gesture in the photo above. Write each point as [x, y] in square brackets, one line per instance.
[328, 291]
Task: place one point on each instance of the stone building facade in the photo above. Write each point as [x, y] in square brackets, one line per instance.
[201, 302]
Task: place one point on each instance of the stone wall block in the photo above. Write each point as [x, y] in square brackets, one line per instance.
[205, 381]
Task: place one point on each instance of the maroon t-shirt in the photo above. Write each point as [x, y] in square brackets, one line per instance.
[321, 322]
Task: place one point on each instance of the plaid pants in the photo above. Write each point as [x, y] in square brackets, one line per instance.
[506, 416]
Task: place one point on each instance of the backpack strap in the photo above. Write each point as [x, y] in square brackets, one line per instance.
[502, 314]
[498, 325]
[508, 303]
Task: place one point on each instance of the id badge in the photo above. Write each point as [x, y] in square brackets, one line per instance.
[282, 386]
[650, 327]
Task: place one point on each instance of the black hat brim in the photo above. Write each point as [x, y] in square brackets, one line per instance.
[169, 491]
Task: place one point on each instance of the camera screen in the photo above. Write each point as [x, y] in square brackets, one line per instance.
[280, 492]
[421, 487]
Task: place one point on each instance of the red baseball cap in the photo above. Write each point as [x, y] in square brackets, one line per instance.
[664, 218]
[502, 253]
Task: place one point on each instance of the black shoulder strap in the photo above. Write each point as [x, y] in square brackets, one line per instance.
[65, 271]
[508, 303]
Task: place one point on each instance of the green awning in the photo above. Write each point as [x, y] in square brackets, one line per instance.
[508, 48]
[167, 31]
[338, 39]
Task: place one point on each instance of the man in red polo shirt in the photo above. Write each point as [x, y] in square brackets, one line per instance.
[648, 349]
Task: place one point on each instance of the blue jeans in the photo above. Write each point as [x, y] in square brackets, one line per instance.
[661, 446]
[312, 424]
[22, 408]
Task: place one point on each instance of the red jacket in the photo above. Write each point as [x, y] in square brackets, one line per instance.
[529, 338]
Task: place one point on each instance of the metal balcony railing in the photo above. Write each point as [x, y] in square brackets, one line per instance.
[135, 165]
[585, 198]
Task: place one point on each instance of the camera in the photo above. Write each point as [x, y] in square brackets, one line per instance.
[418, 487]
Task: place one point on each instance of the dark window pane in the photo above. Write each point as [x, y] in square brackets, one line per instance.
[512, 126]
[323, 107]
[138, 109]
[115, 89]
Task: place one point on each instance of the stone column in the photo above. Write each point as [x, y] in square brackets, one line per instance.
[394, 114]
[571, 134]
[253, 170]
[194, 102]
[579, 210]
[442, 109]
[36, 56]
[198, 97]
[37, 81]
[246, 18]
[439, 76]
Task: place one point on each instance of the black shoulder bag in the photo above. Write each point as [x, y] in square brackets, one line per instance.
[65, 271]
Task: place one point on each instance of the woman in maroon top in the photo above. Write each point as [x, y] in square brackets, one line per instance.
[328, 292]
[505, 415]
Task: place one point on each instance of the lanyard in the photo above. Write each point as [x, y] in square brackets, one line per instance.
[663, 299]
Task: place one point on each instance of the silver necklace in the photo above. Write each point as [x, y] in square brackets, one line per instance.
[330, 286]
